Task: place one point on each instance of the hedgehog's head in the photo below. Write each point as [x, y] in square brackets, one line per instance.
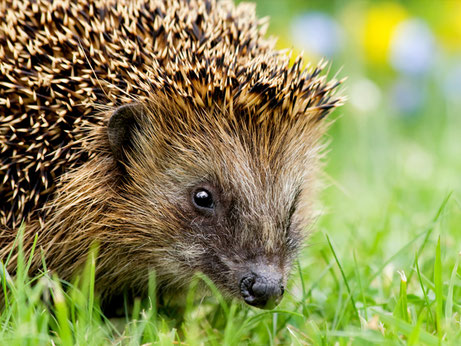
[220, 189]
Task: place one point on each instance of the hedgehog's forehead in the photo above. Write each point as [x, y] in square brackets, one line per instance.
[259, 109]
[234, 132]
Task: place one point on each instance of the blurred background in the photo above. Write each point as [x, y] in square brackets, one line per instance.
[396, 54]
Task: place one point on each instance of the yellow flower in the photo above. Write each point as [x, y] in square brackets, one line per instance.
[450, 25]
[380, 22]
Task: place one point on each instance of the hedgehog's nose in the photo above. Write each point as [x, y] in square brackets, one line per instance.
[262, 288]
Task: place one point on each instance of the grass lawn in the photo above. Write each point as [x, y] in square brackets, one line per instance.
[382, 265]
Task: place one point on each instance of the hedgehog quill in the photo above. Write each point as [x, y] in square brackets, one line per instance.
[172, 133]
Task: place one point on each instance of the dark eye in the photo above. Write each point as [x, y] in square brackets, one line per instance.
[203, 199]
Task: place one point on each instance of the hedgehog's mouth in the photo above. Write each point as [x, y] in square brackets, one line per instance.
[257, 283]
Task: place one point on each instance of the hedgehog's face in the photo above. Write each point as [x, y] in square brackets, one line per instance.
[243, 235]
[213, 199]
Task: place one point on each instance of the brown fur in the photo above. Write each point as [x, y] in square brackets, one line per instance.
[221, 108]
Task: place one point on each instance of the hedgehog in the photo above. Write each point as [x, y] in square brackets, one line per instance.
[171, 133]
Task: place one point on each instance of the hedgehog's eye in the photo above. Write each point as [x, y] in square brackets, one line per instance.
[203, 199]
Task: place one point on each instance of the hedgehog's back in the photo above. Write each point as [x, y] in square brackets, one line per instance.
[59, 59]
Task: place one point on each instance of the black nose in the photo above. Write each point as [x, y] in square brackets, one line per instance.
[262, 289]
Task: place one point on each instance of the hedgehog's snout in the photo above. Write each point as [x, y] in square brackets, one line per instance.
[262, 287]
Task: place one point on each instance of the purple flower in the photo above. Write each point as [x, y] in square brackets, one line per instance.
[317, 33]
[407, 95]
[412, 48]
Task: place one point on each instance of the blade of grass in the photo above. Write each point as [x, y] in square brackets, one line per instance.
[438, 290]
[31, 255]
[88, 279]
[413, 339]
[449, 302]
[62, 314]
[434, 221]
[229, 330]
[426, 298]
[406, 328]
[215, 291]
[307, 294]
[362, 291]
[15, 242]
[340, 307]
[344, 276]
[401, 309]
[253, 320]
[426, 232]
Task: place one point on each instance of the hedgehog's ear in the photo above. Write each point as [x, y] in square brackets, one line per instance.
[122, 124]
